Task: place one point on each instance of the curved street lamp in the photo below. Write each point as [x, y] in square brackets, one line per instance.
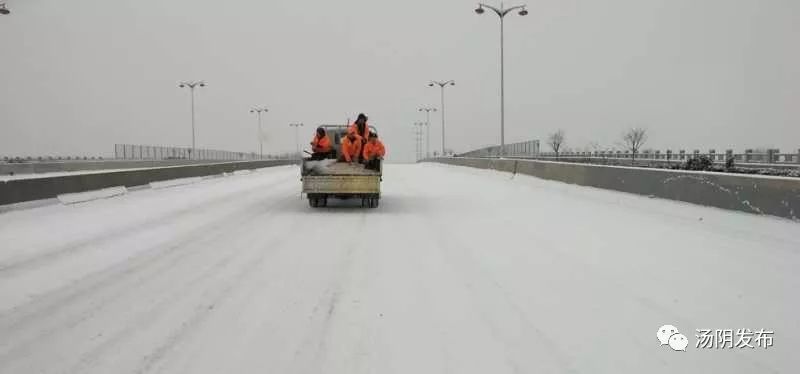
[427, 111]
[442, 85]
[192, 85]
[258, 111]
[502, 12]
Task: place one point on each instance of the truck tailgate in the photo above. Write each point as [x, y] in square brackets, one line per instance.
[345, 184]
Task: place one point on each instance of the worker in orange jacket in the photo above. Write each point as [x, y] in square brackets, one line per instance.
[351, 147]
[360, 128]
[321, 145]
[373, 152]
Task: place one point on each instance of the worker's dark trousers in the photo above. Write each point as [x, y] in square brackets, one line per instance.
[373, 164]
[321, 155]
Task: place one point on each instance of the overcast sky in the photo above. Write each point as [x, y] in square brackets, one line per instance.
[78, 76]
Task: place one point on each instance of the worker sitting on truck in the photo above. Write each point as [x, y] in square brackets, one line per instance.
[373, 152]
[321, 145]
[360, 127]
[351, 147]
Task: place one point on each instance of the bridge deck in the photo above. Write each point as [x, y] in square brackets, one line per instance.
[459, 270]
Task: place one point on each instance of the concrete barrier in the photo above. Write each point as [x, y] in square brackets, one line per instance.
[777, 196]
[62, 166]
[20, 190]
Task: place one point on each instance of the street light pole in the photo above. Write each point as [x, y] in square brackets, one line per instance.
[418, 139]
[442, 85]
[427, 136]
[418, 126]
[416, 144]
[297, 137]
[502, 12]
[258, 111]
[192, 85]
[427, 129]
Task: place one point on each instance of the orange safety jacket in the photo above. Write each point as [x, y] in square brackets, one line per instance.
[351, 149]
[321, 145]
[374, 149]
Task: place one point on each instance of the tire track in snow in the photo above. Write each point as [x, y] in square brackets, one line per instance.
[610, 283]
[85, 286]
[313, 347]
[216, 298]
[8, 269]
[126, 276]
[208, 279]
[482, 286]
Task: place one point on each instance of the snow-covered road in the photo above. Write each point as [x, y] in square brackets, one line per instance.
[458, 271]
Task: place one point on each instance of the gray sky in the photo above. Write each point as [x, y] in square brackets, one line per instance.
[78, 76]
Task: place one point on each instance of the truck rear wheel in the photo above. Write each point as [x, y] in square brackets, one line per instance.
[317, 200]
[370, 202]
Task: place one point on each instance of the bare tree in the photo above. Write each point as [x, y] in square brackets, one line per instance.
[634, 139]
[555, 140]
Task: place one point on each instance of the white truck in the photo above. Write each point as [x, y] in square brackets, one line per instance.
[325, 179]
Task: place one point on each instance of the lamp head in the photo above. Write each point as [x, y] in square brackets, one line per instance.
[479, 9]
[523, 12]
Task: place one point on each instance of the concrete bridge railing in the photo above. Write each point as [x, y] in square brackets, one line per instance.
[776, 196]
[21, 190]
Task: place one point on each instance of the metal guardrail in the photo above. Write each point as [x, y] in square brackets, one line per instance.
[521, 149]
[152, 152]
[768, 157]
[530, 149]
[31, 159]
[658, 163]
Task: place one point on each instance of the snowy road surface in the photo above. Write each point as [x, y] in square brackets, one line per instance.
[458, 271]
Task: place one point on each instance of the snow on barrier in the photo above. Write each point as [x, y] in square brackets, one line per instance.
[776, 196]
[82, 197]
[21, 190]
[97, 165]
[174, 182]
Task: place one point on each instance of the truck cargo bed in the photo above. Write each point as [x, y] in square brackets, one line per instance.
[331, 167]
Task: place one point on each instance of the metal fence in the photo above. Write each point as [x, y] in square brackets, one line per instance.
[152, 152]
[770, 156]
[521, 149]
[530, 149]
